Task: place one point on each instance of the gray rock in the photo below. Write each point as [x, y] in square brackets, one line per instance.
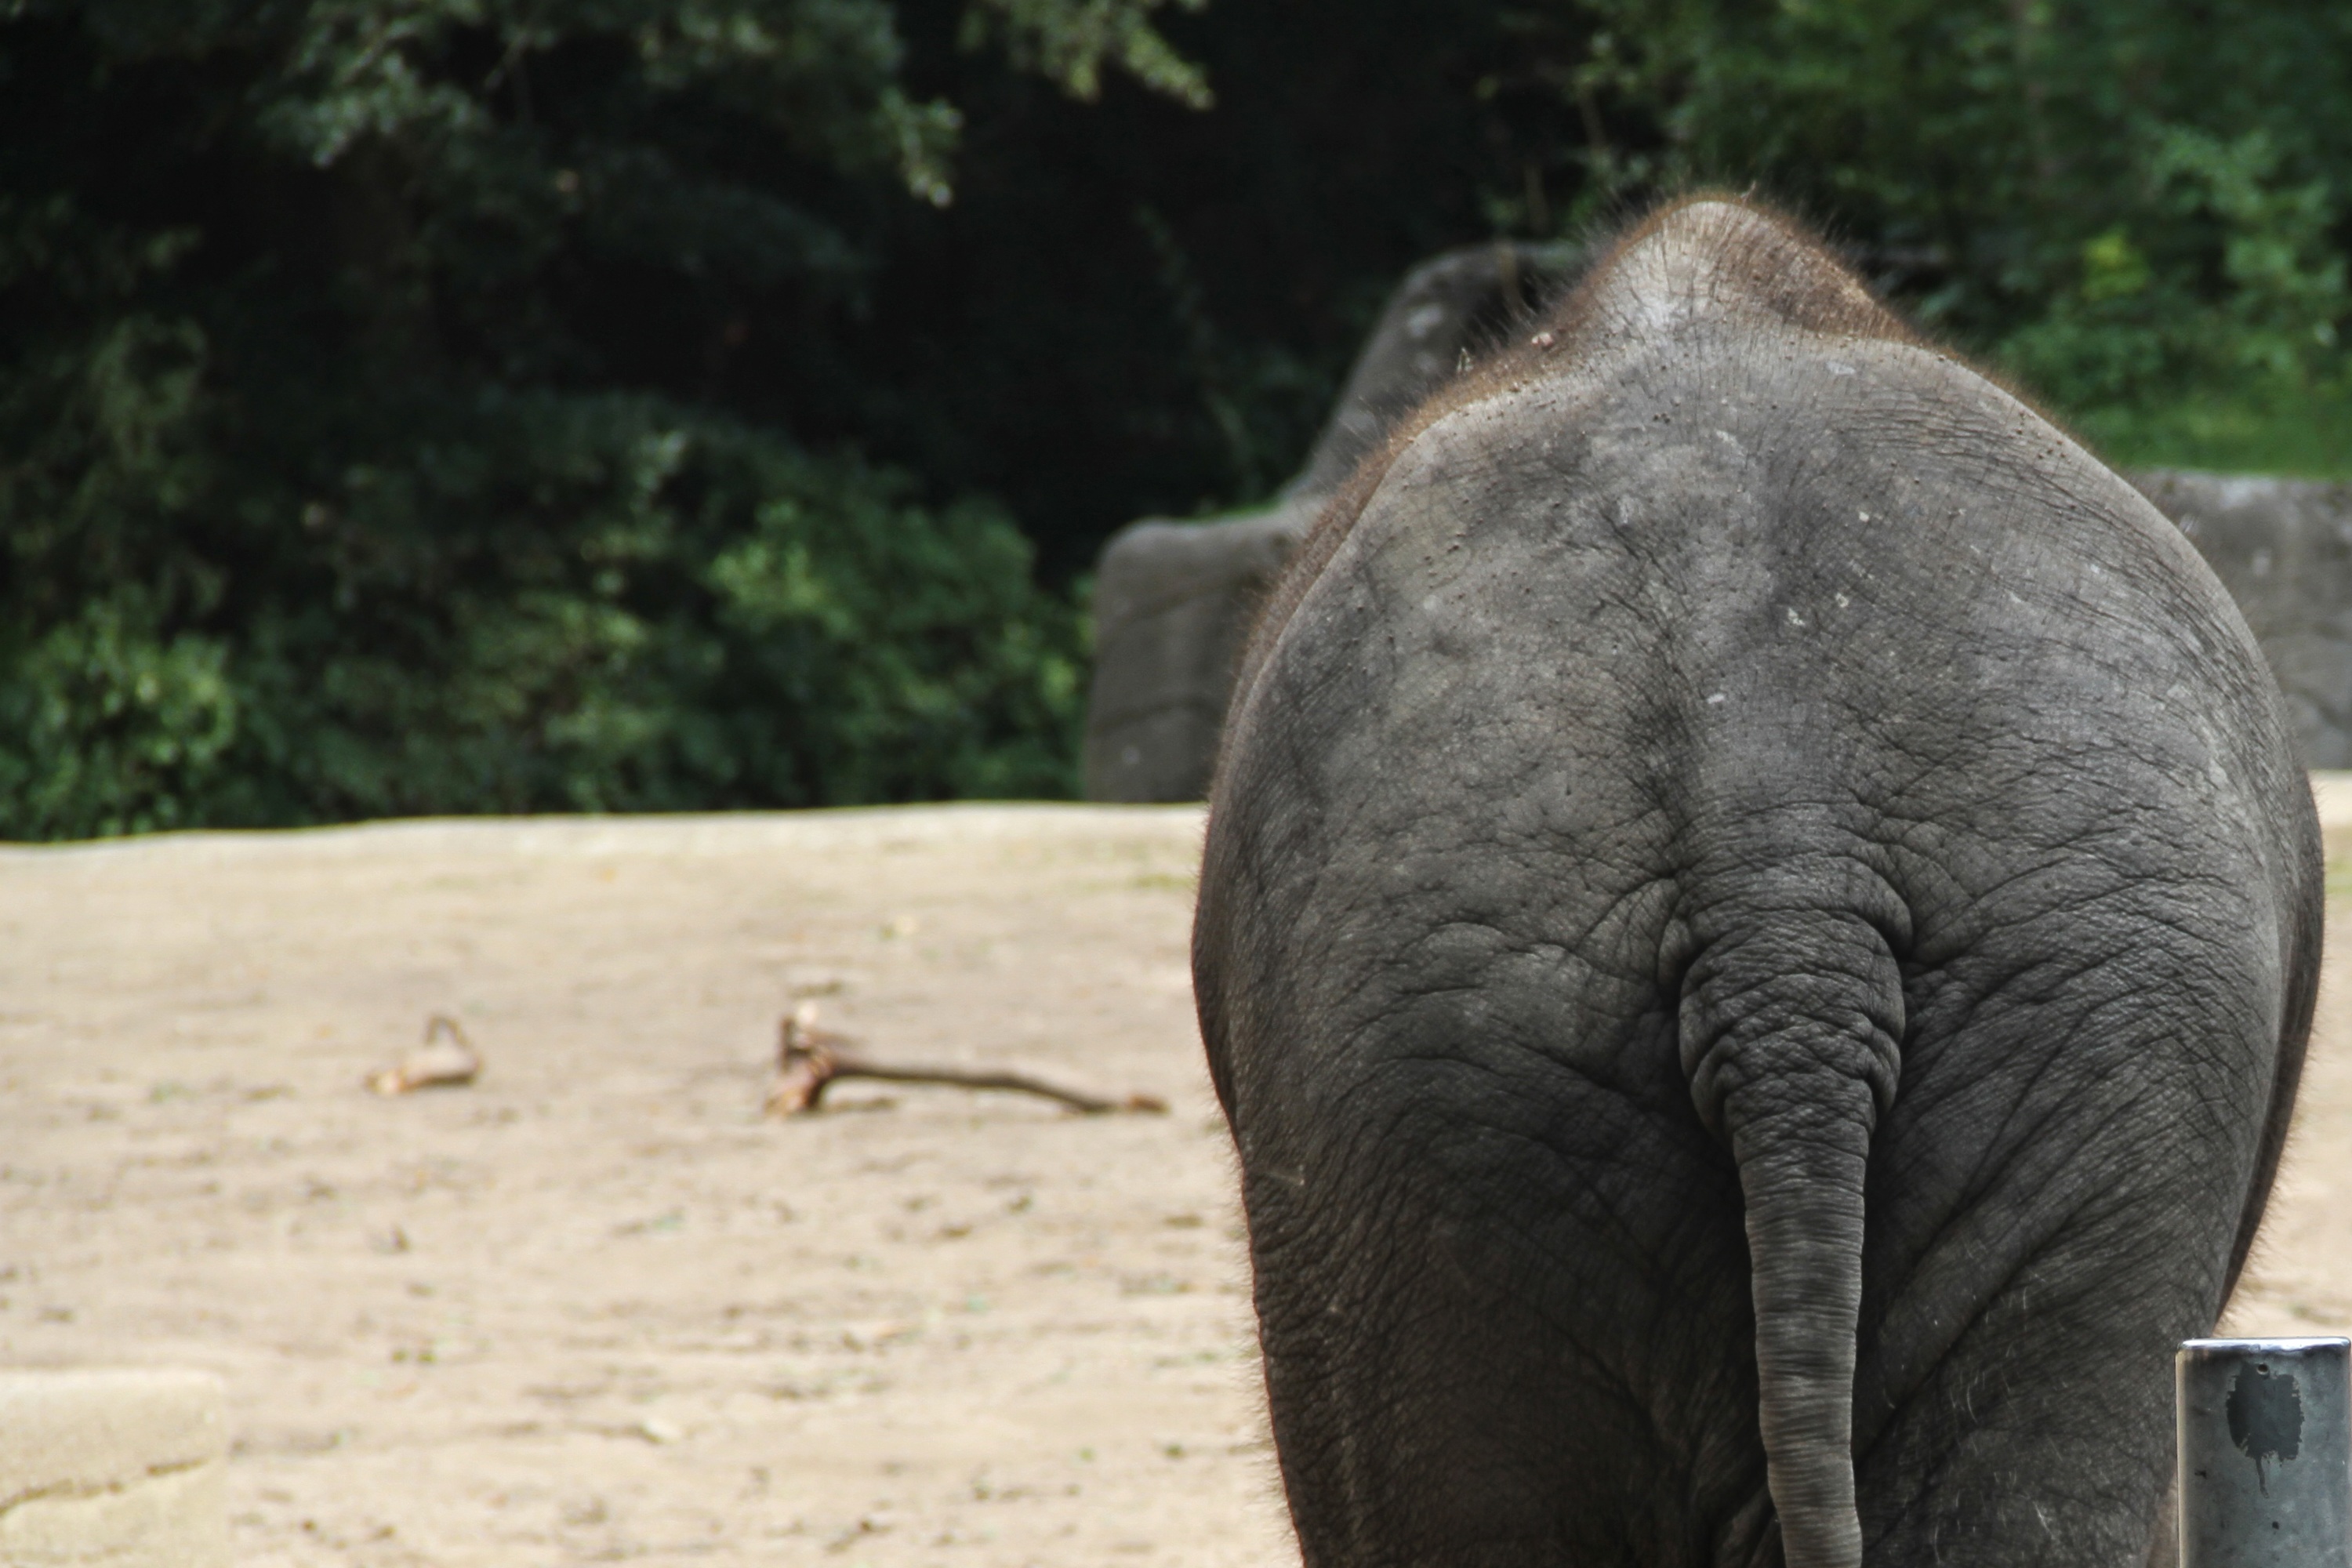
[1173, 603]
[2284, 549]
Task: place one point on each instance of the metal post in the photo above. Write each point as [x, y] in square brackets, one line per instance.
[2265, 1453]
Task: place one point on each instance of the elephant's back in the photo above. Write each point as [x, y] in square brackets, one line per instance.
[1608, 637]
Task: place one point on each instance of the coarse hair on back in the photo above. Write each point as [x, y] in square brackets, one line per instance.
[1706, 257]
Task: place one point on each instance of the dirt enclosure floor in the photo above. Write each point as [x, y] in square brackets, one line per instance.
[594, 1308]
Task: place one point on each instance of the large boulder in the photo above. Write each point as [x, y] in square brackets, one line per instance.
[1174, 601]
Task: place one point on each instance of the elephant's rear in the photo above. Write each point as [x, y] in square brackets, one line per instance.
[1748, 841]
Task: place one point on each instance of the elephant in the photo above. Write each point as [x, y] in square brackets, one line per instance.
[1756, 936]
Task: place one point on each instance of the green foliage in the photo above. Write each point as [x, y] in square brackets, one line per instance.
[552, 603]
[116, 730]
[2247, 302]
[1068, 40]
[365, 445]
[2135, 206]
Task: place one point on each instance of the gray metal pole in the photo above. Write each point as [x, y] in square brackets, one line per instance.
[2265, 1453]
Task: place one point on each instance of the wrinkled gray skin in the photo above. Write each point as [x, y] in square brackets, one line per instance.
[1757, 929]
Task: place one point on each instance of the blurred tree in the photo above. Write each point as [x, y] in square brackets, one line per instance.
[2135, 205]
[465, 405]
[362, 400]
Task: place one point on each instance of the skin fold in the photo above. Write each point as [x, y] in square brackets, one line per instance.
[1757, 929]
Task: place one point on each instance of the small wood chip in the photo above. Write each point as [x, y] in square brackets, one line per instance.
[446, 1060]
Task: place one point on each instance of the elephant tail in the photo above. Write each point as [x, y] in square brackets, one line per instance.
[1790, 1036]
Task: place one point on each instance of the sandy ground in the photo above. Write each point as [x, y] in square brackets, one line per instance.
[594, 1308]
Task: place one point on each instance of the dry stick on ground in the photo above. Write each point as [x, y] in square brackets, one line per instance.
[438, 1063]
[807, 1059]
